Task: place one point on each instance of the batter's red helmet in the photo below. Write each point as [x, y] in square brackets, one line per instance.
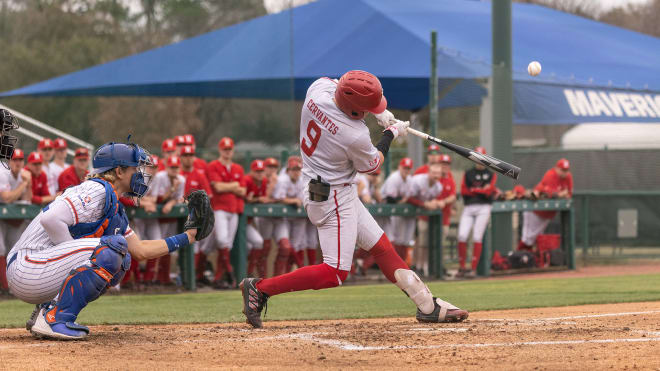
[358, 92]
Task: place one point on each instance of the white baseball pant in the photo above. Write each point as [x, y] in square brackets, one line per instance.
[225, 228]
[10, 232]
[37, 276]
[343, 223]
[474, 217]
[254, 240]
[533, 225]
[266, 226]
[403, 228]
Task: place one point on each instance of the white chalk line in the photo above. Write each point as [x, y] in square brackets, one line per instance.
[345, 345]
[553, 319]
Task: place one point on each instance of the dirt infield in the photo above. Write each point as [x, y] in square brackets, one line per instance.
[599, 337]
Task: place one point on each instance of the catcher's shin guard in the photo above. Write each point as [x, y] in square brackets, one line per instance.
[108, 264]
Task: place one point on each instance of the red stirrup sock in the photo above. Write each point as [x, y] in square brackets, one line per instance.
[316, 277]
[476, 255]
[387, 259]
[252, 261]
[200, 265]
[3, 272]
[462, 254]
[219, 266]
[263, 260]
[227, 260]
[300, 258]
[283, 252]
[164, 266]
[311, 256]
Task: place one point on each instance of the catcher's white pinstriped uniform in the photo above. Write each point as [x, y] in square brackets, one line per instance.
[36, 266]
[401, 228]
[335, 147]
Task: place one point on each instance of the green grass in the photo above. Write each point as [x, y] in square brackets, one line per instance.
[369, 301]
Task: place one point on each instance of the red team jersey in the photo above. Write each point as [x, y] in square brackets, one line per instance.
[448, 189]
[196, 179]
[422, 169]
[254, 189]
[200, 164]
[68, 178]
[226, 201]
[39, 187]
[551, 184]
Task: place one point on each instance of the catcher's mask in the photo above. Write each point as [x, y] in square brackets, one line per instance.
[7, 141]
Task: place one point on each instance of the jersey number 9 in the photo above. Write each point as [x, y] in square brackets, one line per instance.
[313, 134]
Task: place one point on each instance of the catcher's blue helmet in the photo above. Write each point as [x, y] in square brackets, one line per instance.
[112, 155]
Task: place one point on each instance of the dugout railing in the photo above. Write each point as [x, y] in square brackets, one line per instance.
[239, 252]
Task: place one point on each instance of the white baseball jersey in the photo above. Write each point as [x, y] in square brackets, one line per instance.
[395, 186]
[286, 188]
[162, 183]
[420, 189]
[7, 180]
[53, 174]
[332, 144]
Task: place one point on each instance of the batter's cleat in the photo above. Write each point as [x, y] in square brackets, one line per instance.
[59, 331]
[254, 301]
[442, 312]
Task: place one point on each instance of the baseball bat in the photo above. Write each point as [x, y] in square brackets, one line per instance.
[512, 171]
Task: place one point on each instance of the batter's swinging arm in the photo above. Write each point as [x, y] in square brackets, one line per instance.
[490, 162]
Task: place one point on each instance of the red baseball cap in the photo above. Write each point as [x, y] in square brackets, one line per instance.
[35, 158]
[187, 150]
[190, 139]
[257, 165]
[45, 143]
[81, 153]
[155, 160]
[563, 164]
[60, 143]
[294, 162]
[18, 154]
[173, 161]
[272, 161]
[445, 158]
[481, 150]
[406, 162]
[519, 190]
[226, 143]
[434, 149]
[168, 145]
[180, 140]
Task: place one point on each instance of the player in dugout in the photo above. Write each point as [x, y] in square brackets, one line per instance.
[556, 183]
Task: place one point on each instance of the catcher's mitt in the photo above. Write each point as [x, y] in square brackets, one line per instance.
[200, 214]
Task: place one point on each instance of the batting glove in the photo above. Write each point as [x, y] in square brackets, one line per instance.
[399, 129]
[385, 118]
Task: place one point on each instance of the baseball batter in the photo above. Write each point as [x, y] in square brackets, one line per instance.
[556, 183]
[335, 145]
[81, 244]
[477, 189]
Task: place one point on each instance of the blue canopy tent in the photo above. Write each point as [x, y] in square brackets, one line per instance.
[591, 71]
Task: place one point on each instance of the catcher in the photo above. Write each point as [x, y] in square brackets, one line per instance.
[81, 244]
